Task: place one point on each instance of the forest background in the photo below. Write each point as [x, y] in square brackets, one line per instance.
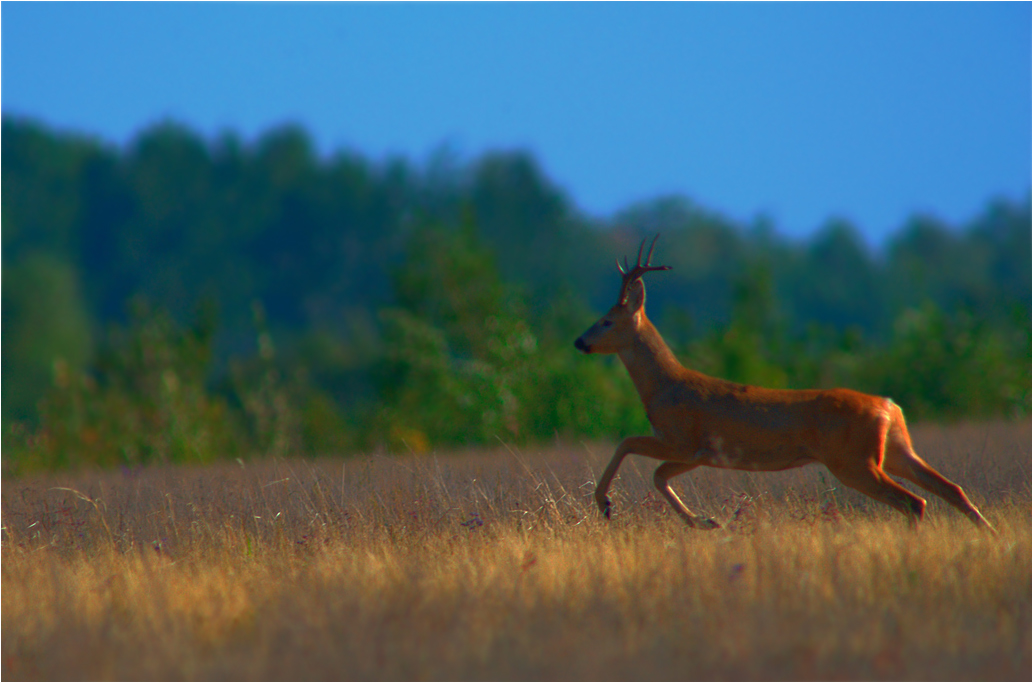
[186, 300]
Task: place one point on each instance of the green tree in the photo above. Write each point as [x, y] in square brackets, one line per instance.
[143, 400]
[458, 349]
[939, 365]
[45, 321]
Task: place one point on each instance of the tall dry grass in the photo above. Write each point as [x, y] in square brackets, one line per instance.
[496, 565]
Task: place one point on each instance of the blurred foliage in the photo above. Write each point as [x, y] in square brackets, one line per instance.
[143, 400]
[45, 321]
[955, 365]
[372, 305]
[464, 361]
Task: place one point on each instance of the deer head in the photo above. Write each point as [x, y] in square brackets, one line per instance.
[615, 330]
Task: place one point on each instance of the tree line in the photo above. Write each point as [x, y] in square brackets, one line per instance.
[184, 299]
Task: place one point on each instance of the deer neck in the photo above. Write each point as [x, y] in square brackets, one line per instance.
[649, 361]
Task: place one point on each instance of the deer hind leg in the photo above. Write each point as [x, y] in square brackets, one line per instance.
[903, 462]
[875, 483]
[640, 445]
[660, 479]
[860, 468]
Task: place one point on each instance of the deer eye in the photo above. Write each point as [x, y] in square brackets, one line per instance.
[607, 323]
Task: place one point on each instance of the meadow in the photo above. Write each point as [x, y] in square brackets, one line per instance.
[495, 564]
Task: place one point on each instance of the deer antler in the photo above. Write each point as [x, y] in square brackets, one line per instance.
[631, 274]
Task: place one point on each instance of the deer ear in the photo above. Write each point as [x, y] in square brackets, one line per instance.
[636, 296]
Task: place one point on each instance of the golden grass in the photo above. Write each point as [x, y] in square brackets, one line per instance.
[496, 565]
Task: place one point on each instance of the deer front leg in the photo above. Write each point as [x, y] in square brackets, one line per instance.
[639, 445]
[660, 480]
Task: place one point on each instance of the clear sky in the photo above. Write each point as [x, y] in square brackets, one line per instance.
[801, 112]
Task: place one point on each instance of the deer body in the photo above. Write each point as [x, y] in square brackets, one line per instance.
[737, 426]
[701, 420]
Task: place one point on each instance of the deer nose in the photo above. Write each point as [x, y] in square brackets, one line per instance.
[580, 345]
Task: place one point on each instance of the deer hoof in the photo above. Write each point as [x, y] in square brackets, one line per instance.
[606, 506]
[703, 523]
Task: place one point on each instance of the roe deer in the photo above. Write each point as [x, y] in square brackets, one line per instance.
[700, 420]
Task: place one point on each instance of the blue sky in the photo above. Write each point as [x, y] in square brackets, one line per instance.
[800, 112]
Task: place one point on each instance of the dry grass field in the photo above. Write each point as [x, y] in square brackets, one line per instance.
[496, 565]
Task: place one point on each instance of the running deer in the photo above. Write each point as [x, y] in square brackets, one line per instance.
[700, 420]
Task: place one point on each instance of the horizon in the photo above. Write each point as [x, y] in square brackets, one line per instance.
[796, 114]
[424, 166]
